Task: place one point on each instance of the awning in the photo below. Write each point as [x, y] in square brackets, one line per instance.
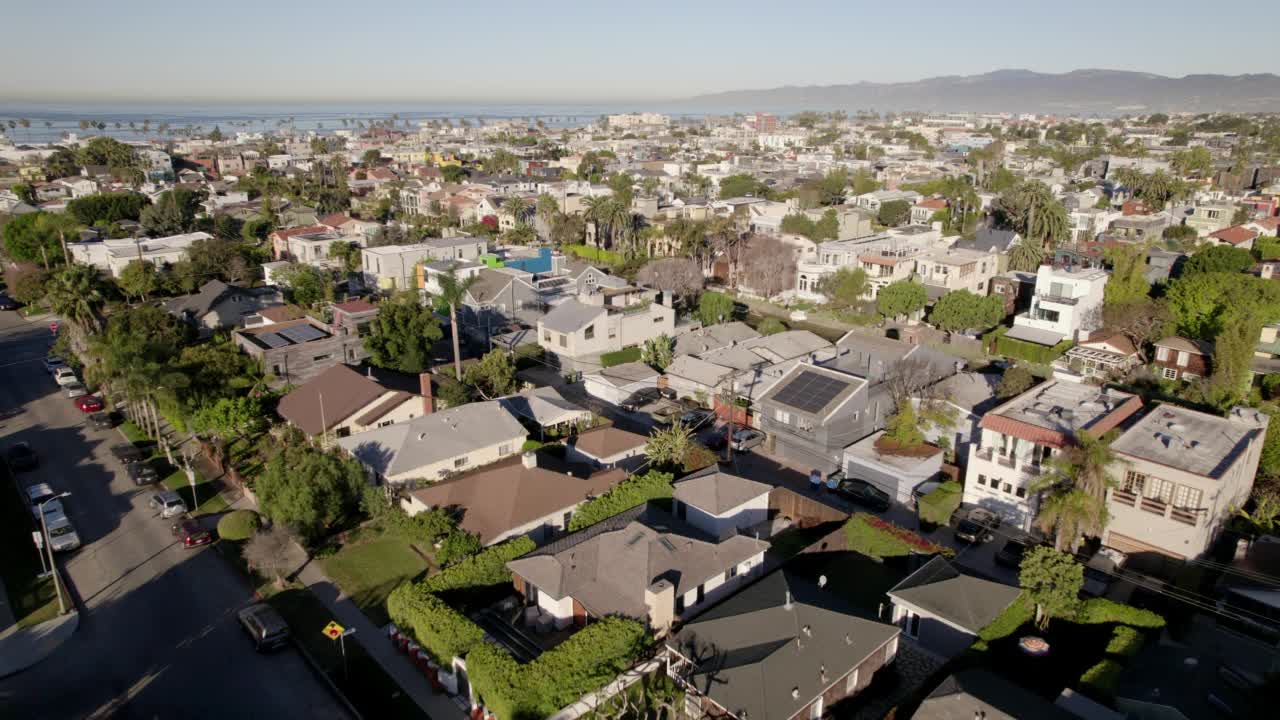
[1035, 335]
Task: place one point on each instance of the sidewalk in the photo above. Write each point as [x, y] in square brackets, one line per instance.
[20, 648]
[374, 639]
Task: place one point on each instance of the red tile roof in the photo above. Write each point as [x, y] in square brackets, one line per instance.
[335, 219]
[1024, 431]
[1235, 234]
[355, 306]
[932, 204]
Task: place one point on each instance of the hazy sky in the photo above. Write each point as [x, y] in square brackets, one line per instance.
[571, 50]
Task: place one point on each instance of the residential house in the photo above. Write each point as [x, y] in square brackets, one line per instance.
[1179, 358]
[433, 447]
[810, 414]
[719, 503]
[340, 401]
[994, 242]
[1020, 436]
[922, 212]
[295, 351]
[893, 473]
[978, 693]
[393, 267]
[944, 271]
[1179, 475]
[353, 316]
[693, 377]
[967, 396]
[1210, 217]
[1162, 265]
[642, 564]
[615, 384]
[112, 256]
[1238, 236]
[1135, 228]
[1266, 354]
[873, 200]
[546, 409]
[578, 330]
[607, 447]
[1016, 288]
[784, 648]
[1066, 305]
[219, 306]
[1103, 357]
[714, 337]
[944, 609]
[513, 497]
[885, 258]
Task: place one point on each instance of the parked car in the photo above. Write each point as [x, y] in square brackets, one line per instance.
[100, 421]
[1010, 555]
[75, 389]
[7, 303]
[62, 534]
[53, 362]
[89, 404]
[668, 393]
[718, 441]
[128, 453]
[639, 399]
[746, 438]
[921, 490]
[21, 457]
[41, 493]
[697, 418]
[141, 473]
[667, 415]
[864, 493]
[168, 502]
[265, 627]
[65, 376]
[978, 526]
[190, 533]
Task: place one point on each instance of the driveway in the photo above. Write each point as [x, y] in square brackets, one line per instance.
[158, 636]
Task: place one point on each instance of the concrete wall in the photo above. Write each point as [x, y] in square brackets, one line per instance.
[748, 514]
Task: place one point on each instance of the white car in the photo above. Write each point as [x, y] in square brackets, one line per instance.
[62, 534]
[65, 376]
[76, 389]
[168, 502]
[53, 362]
[39, 493]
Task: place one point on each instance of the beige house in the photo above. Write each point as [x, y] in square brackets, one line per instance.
[943, 271]
[602, 321]
[1179, 475]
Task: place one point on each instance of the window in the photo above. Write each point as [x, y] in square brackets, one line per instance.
[733, 572]
[460, 462]
[657, 318]
[613, 333]
[982, 479]
[911, 624]
[590, 332]
[504, 449]
[805, 423]
[1162, 354]
[851, 683]
[321, 358]
[1183, 358]
[1133, 482]
[563, 341]
[1161, 490]
[1008, 488]
[1169, 373]
[1186, 497]
[565, 520]
[782, 416]
[701, 596]
[1021, 492]
[546, 336]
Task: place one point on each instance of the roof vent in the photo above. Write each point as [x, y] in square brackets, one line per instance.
[795, 693]
[808, 631]
[787, 605]
[822, 581]
[1177, 427]
[848, 640]
[422, 436]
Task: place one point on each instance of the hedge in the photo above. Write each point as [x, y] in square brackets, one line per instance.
[1102, 610]
[444, 632]
[871, 536]
[1125, 642]
[1023, 350]
[941, 502]
[618, 357]
[635, 490]
[487, 567]
[1020, 612]
[1100, 681]
[586, 661]
[238, 525]
[587, 252]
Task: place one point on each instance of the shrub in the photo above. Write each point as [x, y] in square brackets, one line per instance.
[457, 545]
[531, 446]
[635, 490]
[1125, 642]
[1100, 681]
[499, 682]
[1020, 612]
[618, 357]
[871, 536]
[771, 326]
[698, 458]
[1031, 352]
[238, 525]
[938, 506]
[601, 255]
[487, 567]
[1102, 610]
[444, 632]
[1015, 381]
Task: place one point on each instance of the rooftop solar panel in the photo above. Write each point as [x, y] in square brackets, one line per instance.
[810, 391]
[303, 333]
[273, 340]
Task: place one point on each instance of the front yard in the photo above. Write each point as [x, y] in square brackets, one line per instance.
[203, 500]
[372, 564]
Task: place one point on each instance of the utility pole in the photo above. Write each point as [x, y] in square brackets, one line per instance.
[44, 529]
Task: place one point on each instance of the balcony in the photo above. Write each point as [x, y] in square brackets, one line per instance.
[1124, 498]
[1058, 299]
[1156, 507]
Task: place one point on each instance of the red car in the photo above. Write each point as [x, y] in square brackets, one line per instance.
[89, 404]
[191, 534]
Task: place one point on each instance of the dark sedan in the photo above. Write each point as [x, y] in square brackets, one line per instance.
[639, 399]
[864, 493]
[141, 473]
[100, 421]
[978, 526]
[7, 303]
[129, 453]
[1010, 555]
[191, 534]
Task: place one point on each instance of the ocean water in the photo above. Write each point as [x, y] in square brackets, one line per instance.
[51, 122]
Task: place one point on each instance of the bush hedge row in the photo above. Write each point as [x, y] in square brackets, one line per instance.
[618, 357]
[1102, 610]
[587, 252]
[1125, 642]
[1100, 681]
[444, 632]
[938, 506]
[635, 490]
[1023, 350]
[583, 663]
[871, 536]
[1020, 612]
[487, 567]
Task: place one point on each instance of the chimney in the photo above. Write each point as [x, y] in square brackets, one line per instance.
[660, 599]
[529, 459]
[424, 387]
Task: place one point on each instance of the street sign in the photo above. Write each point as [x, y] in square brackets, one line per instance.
[53, 327]
[38, 538]
[333, 630]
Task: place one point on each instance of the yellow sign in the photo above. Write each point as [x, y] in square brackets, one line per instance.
[333, 630]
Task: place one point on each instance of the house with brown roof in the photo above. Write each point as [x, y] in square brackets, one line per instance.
[514, 497]
[608, 447]
[1179, 358]
[1240, 236]
[1103, 356]
[340, 401]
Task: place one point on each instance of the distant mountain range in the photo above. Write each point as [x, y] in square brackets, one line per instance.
[1104, 92]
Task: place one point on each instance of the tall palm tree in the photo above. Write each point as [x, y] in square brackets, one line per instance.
[599, 210]
[1075, 488]
[76, 294]
[453, 290]
[1025, 256]
[546, 207]
[1046, 219]
[1069, 515]
[517, 206]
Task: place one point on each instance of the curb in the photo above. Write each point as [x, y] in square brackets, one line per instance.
[328, 681]
[36, 644]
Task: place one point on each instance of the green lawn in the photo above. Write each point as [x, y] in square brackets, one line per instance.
[133, 432]
[31, 598]
[175, 478]
[368, 570]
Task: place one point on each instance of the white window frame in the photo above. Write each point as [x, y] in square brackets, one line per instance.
[1169, 373]
[851, 683]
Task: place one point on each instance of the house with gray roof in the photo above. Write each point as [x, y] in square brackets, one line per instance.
[782, 648]
[980, 693]
[714, 338]
[579, 330]
[720, 503]
[219, 306]
[436, 446]
[992, 241]
[615, 384]
[642, 563]
[944, 609]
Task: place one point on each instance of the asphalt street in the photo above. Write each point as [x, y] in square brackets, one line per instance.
[158, 636]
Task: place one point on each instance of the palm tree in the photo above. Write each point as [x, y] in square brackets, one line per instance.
[75, 293]
[1076, 485]
[517, 207]
[1025, 256]
[521, 234]
[599, 211]
[453, 290]
[1069, 515]
[546, 207]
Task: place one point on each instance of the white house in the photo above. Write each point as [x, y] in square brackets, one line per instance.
[1066, 305]
[113, 256]
[615, 384]
[718, 503]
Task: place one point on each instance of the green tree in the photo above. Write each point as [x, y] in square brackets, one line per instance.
[62, 163]
[894, 213]
[845, 288]
[309, 490]
[304, 284]
[1199, 303]
[1015, 381]
[1031, 209]
[1025, 256]
[453, 173]
[138, 279]
[27, 238]
[863, 182]
[1218, 259]
[453, 292]
[1194, 161]
[902, 426]
[107, 208]
[26, 192]
[715, 308]
[173, 213]
[658, 352]
[743, 185]
[230, 417]
[1232, 357]
[771, 326]
[832, 187]
[667, 447]
[110, 152]
[493, 376]
[827, 227]
[75, 293]
[901, 298]
[1076, 484]
[1052, 580]
[401, 336]
[962, 310]
[370, 157]
[1128, 283]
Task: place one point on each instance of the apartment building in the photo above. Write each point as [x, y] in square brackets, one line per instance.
[886, 258]
[394, 267]
[1211, 217]
[1066, 305]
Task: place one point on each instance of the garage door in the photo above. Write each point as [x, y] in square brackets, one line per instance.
[1133, 546]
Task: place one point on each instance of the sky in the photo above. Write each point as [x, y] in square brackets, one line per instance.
[582, 51]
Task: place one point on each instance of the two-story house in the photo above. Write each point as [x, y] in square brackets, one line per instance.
[1021, 435]
[1066, 305]
[1179, 358]
[885, 258]
[578, 330]
[394, 267]
[922, 212]
[295, 351]
[943, 271]
[1210, 217]
[643, 563]
[219, 306]
[1179, 476]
